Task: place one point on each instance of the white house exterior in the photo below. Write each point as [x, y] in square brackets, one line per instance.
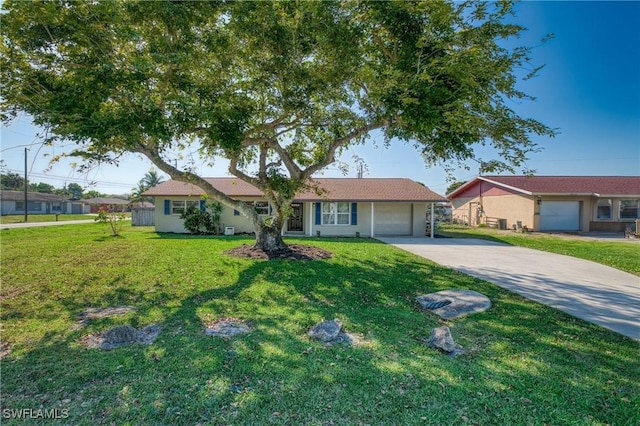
[344, 206]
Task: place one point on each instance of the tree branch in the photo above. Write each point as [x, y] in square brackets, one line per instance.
[340, 142]
[151, 152]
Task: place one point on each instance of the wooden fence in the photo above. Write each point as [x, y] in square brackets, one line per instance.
[142, 217]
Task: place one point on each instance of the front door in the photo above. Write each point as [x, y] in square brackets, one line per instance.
[295, 220]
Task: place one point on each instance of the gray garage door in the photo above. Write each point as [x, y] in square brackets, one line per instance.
[392, 219]
[560, 216]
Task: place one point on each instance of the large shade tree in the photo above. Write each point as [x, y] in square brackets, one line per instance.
[277, 88]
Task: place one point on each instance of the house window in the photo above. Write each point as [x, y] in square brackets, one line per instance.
[604, 209]
[628, 209]
[178, 206]
[56, 207]
[34, 206]
[336, 213]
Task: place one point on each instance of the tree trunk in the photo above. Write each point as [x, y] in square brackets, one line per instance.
[269, 237]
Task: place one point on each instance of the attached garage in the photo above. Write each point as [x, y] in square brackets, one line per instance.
[393, 219]
[560, 216]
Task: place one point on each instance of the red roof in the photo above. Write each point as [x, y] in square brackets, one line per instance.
[563, 185]
[335, 189]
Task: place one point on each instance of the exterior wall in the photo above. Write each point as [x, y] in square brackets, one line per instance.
[419, 226]
[363, 223]
[512, 207]
[615, 223]
[173, 223]
[9, 207]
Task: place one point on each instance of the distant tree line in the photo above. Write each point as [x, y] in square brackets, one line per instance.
[14, 182]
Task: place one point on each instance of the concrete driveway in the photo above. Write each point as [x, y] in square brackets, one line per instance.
[587, 290]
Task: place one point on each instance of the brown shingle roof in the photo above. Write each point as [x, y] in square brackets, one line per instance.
[566, 185]
[335, 189]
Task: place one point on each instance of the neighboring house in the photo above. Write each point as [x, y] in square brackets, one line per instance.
[344, 207]
[549, 203]
[12, 202]
[107, 204]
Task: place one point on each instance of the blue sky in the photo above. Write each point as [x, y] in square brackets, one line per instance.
[589, 90]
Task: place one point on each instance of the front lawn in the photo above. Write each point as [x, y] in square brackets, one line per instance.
[524, 363]
[623, 255]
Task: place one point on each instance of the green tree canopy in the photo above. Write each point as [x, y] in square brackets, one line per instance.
[455, 185]
[42, 187]
[277, 88]
[11, 181]
[151, 179]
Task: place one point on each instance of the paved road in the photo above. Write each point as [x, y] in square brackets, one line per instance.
[587, 290]
[36, 224]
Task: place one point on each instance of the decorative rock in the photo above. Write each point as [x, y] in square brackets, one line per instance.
[441, 339]
[326, 331]
[460, 303]
[331, 333]
[123, 334]
[148, 335]
[227, 328]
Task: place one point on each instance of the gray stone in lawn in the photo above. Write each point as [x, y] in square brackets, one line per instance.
[227, 328]
[121, 336]
[148, 335]
[462, 302]
[441, 338]
[326, 331]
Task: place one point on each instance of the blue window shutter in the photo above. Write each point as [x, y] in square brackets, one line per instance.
[202, 206]
[318, 214]
[236, 212]
[167, 207]
[354, 213]
[270, 210]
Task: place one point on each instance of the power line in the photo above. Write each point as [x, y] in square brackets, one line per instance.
[73, 179]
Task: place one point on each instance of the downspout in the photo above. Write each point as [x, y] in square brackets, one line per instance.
[432, 221]
[372, 219]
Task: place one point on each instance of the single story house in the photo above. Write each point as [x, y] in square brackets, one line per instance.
[12, 202]
[107, 204]
[549, 203]
[344, 207]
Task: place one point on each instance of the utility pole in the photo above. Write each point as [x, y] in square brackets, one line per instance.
[26, 186]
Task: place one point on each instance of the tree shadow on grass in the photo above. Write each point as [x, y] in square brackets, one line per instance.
[524, 361]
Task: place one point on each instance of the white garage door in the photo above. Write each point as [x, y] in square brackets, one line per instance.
[560, 216]
[393, 219]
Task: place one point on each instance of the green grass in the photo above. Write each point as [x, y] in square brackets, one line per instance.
[623, 255]
[525, 363]
[19, 218]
